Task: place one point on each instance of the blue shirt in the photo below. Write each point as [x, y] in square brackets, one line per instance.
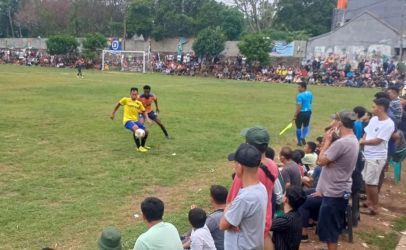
[358, 129]
[305, 99]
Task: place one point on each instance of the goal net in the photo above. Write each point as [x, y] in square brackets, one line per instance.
[123, 60]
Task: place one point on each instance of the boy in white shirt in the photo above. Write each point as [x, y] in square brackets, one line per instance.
[201, 238]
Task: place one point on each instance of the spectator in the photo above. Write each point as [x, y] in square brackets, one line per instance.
[160, 235]
[244, 219]
[402, 125]
[319, 142]
[395, 106]
[375, 142]
[200, 239]
[110, 239]
[218, 199]
[267, 174]
[290, 172]
[297, 156]
[338, 159]
[287, 229]
[310, 158]
[359, 123]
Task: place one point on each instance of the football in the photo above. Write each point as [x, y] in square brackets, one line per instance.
[140, 133]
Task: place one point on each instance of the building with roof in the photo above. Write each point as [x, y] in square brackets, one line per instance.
[367, 28]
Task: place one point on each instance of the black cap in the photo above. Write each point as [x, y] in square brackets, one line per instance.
[247, 155]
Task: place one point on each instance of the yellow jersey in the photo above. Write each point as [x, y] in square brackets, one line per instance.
[131, 109]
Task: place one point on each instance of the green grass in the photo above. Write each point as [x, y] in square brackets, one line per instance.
[387, 242]
[67, 170]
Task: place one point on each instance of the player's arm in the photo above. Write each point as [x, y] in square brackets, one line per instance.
[156, 105]
[298, 108]
[115, 110]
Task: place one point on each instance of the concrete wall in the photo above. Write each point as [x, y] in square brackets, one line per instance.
[364, 36]
[164, 46]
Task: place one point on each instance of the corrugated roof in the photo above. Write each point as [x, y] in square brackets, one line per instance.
[390, 11]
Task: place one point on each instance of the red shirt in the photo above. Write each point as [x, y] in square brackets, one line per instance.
[237, 185]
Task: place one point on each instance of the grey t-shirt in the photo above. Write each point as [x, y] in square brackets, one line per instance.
[212, 222]
[247, 211]
[335, 178]
[291, 173]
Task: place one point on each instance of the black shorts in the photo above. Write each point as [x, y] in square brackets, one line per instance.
[331, 219]
[303, 119]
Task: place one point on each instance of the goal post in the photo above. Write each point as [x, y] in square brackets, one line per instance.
[134, 61]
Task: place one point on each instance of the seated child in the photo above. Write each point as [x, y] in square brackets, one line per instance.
[310, 158]
[201, 238]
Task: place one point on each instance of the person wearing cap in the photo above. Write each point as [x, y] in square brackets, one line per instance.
[244, 218]
[375, 142]
[160, 235]
[338, 159]
[267, 174]
[110, 239]
[304, 101]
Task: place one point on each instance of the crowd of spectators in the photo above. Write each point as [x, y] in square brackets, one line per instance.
[332, 70]
[276, 199]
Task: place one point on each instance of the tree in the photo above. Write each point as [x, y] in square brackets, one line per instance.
[61, 44]
[209, 43]
[259, 13]
[312, 16]
[8, 8]
[140, 18]
[93, 44]
[232, 23]
[256, 47]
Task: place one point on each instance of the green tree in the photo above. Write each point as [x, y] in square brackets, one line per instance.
[256, 47]
[209, 43]
[140, 18]
[8, 9]
[93, 44]
[232, 23]
[312, 16]
[61, 44]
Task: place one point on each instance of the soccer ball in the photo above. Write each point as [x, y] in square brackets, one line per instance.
[140, 133]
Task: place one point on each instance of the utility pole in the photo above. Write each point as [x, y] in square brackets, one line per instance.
[125, 24]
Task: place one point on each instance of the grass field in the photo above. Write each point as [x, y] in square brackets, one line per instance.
[67, 170]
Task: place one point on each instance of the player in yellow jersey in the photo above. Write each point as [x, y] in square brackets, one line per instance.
[132, 109]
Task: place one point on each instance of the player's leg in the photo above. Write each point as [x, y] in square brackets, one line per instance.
[132, 126]
[299, 123]
[143, 139]
[152, 115]
[306, 127]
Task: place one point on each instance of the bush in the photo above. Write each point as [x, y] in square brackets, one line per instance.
[61, 44]
[256, 47]
[93, 44]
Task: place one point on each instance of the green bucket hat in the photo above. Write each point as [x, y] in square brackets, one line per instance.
[256, 135]
[110, 239]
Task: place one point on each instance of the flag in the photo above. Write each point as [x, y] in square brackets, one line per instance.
[342, 4]
[289, 126]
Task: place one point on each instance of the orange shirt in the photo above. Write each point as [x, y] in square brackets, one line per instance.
[148, 102]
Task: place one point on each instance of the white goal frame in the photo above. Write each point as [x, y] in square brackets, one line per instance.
[120, 52]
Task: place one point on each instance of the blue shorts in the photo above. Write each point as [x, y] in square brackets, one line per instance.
[331, 219]
[130, 124]
[151, 115]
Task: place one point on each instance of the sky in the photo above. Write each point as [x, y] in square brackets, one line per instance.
[226, 1]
